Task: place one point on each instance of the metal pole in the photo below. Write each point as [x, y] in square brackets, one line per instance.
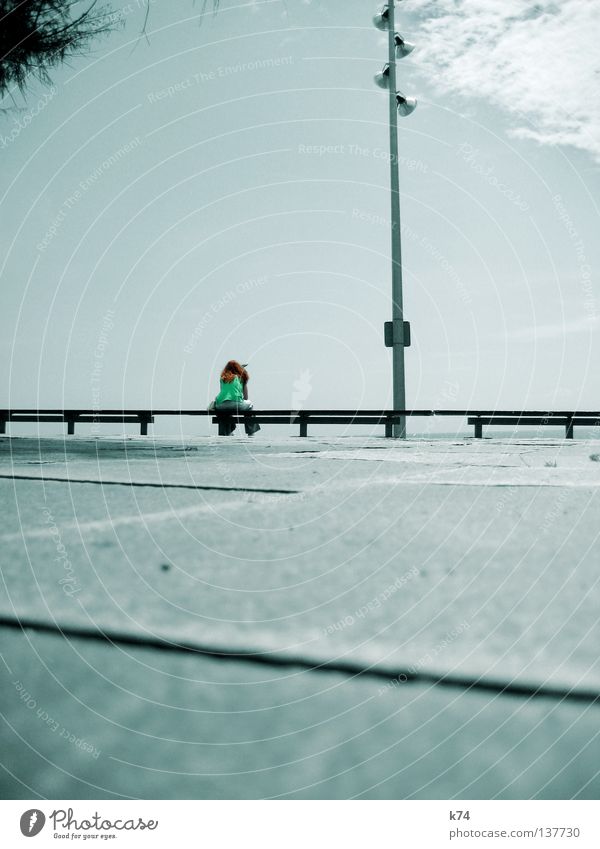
[398, 381]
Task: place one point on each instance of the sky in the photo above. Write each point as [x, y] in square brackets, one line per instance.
[219, 188]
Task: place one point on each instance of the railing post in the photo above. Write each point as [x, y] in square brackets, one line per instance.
[389, 428]
[303, 424]
[2, 425]
[70, 427]
[569, 428]
[478, 429]
[145, 420]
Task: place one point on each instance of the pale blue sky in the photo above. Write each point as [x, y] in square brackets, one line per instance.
[221, 191]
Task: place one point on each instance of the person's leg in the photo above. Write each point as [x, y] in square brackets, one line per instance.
[250, 424]
[226, 423]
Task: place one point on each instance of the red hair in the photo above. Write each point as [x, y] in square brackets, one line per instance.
[232, 370]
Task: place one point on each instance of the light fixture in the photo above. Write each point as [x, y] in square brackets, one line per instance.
[406, 105]
[381, 18]
[403, 48]
[382, 79]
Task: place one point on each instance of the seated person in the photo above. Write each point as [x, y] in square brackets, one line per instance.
[233, 396]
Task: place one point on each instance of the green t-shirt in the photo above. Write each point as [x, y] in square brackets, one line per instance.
[233, 391]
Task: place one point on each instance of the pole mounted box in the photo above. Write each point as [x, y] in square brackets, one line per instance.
[396, 332]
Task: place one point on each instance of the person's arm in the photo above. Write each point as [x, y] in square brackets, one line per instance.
[244, 378]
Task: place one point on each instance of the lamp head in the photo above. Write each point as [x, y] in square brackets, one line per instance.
[382, 79]
[403, 48]
[380, 20]
[406, 105]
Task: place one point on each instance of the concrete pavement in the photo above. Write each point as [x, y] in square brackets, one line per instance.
[417, 619]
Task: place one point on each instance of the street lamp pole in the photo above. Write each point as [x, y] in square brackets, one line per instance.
[398, 373]
[397, 331]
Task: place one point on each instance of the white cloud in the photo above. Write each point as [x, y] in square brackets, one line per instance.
[538, 61]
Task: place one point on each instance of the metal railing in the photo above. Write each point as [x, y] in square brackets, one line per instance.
[388, 418]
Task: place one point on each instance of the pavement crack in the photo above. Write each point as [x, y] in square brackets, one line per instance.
[156, 485]
[350, 668]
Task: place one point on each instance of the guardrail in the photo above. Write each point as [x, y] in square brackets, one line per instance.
[478, 418]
